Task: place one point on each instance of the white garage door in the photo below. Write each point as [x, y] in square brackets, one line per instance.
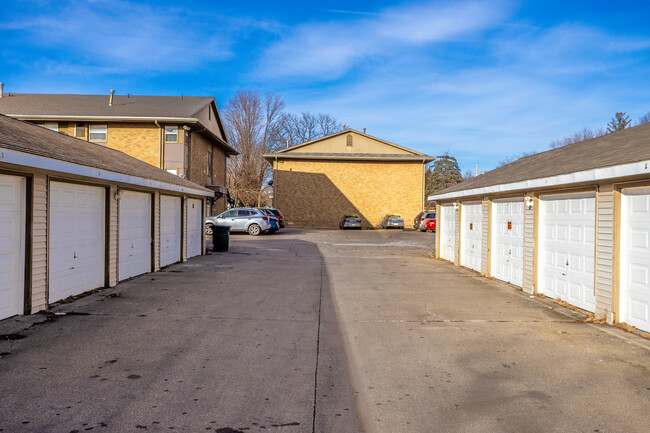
[508, 241]
[567, 231]
[471, 235]
[447, 232]
[194, 227]
[635, 258]
[135, 234]
[12, 245]
[77, 239]
[170, 230]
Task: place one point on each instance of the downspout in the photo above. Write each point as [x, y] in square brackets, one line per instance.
[423, 185]
[275, 184]
[160, 145]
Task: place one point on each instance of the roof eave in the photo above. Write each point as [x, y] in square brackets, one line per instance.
[600, 174]
[408, 158]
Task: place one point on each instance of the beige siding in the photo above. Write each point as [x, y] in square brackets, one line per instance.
[528, 284]
[156, 231]
[113, 234]
[39, 243]
[360, 144]
[605, 250]
[486, 235]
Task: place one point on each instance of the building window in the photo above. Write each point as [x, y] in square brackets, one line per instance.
[52, 126]
[97, 133]
[171, 134]
[210, 167]
[349, 140]
[80, 129]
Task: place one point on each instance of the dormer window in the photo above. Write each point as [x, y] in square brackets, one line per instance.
[171, 134]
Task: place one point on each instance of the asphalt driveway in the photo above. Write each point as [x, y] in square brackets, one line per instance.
[319, 331]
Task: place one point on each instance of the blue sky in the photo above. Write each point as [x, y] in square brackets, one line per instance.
[482, 80]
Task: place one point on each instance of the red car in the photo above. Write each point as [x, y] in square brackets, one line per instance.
[430, 225]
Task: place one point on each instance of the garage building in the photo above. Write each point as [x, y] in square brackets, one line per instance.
[571, 223]
[76, 216]
[348, 172]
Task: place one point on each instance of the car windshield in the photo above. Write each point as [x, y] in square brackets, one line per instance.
[393, 216]
[351, 216]
[431, 215]
[274, 212]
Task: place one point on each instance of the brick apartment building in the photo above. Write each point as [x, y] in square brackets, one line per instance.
[348, 172]
[182, 135]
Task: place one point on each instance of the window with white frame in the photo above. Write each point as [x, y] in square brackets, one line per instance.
[171, 134]
[97, 132]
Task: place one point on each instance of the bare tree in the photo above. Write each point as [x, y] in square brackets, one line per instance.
[507, 160]
[582, 135]
[298, 129]
[619, 122]
[468, 174]
[254, 128]
[327, 124]
[644, 119]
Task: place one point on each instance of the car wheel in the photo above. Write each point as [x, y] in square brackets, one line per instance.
[254, 230]
[208, 229]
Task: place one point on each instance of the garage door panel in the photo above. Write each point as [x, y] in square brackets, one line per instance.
[471, 235]
[507, 240]
[12, 245]
[135, 234]
[568, 235]
[447, 232]
[195, 227]
[635, 258]
[170, 230]
[77, 239]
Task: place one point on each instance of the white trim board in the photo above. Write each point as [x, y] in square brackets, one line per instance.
[596, 174]
[29, 160]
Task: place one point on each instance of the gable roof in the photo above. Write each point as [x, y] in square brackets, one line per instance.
[290, 152]
[181, 109]
[26, 138]
[623, 147]
[347, 131]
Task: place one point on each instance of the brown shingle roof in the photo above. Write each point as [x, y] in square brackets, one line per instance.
[32, 139]
[97, 105]
[623, 147]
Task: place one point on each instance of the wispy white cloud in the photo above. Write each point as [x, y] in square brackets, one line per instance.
[324, 50]
[122, 37]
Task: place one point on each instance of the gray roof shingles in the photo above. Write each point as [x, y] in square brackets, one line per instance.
[97, 105]
[623, 147]
[25, 137]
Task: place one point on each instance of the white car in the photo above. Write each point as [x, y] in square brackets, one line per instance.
[241, 220]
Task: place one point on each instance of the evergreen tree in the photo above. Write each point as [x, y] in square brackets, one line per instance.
[443, 173]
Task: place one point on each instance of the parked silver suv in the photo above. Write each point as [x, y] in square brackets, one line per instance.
[241, 220]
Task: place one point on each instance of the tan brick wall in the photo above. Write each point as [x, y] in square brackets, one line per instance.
[140, 140]
[318, 193]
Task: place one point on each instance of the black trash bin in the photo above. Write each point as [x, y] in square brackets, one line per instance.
[220, 238]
